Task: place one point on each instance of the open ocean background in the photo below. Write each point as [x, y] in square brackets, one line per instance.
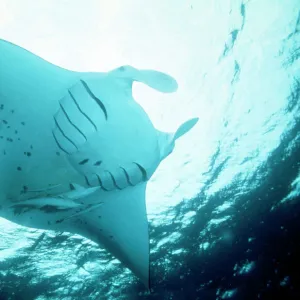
[223, 209]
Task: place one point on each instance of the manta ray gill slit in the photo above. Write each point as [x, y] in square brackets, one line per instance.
[72, 123]
[81, 111]
[64, 134]
[98, 101]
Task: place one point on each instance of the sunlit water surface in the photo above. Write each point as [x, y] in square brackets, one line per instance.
[224, 207]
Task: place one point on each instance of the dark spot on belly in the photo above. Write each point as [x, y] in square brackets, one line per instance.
[98, 163]
[19, 168]
[84, 161]
[4, 121]
[23, 123]
[25, 189]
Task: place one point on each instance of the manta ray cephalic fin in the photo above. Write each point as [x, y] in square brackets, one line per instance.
[157, 80]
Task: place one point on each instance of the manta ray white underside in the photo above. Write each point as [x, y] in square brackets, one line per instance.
[76, 152]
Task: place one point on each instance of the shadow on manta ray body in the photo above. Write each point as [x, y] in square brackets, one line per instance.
[78, 151]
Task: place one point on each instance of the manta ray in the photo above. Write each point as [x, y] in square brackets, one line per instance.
[77, 151]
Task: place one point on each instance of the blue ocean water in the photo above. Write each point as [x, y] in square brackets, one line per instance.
[224, 207]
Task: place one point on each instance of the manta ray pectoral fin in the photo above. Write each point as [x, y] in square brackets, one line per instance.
[185, 127]
[119, 224]
[155, 79]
